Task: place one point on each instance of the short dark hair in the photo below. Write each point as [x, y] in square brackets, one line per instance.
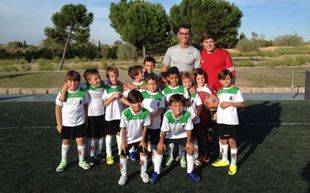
[134, 70]
[134, 96]
[223, 74]
[73, 75]
[200, 71]
[177, 98]
[90, 71]
[185, 26]
[173, 70]
[111, 69]
[207, 35]
[151, 76]
[164, 74]
[149, 59]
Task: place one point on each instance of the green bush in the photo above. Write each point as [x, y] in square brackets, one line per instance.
[245, 45]
[45, 65]
[289, 40]
[126, 51]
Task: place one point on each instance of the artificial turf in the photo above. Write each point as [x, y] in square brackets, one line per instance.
[274, 155]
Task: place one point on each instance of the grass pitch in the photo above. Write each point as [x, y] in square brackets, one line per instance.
[274, 155]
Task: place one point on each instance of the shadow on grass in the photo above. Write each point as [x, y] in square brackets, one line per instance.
[10, 97]
[256, 123]
[17, 75]
[306, 175]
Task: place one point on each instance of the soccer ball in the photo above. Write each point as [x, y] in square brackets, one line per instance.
[211, 101]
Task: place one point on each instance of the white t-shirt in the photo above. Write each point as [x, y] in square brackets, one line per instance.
[95, 106]
[72, 111]
[185, 59]
[114, 109]
[228, 116]
[169, 91]
[176, 128]
[134, 124]
[195, 101]
[152, 102]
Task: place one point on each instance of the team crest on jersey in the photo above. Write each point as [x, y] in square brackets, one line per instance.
[230, 98]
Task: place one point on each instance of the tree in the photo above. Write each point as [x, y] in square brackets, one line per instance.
[218, 17]
[141, 23]
[71, 24]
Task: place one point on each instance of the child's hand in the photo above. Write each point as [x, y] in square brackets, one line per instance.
[224, 105]
[64, 87]
[123, 147]
[192, 90]
[131, 86]
[190, 149]
[160, 148]
[143, 145]
[116, 95]
[59, 127]
[152, 117]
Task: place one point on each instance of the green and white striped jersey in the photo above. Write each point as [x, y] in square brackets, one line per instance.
[229, 115]
[114, 109]
[152, 102]
[134, 124]
[72, 110]
[176, 128]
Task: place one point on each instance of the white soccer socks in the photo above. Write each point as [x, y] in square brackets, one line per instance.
[157, 163]
[108, 145]
[64, 151]
[190, 163]
[233, 153]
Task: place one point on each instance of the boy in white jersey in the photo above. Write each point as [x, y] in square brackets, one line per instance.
[194, 108]
[71, 117]
[95, 131]
[174, 87]
[133, 125]
[154, 102]
[230, 98]
[176, 128]
[113, 99]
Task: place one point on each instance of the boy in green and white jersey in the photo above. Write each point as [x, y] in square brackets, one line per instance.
[154, 102]
[174, 87]
[176, 128]
[71, 116]
[133, 125]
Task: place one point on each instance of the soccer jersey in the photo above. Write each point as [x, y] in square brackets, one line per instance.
[72, 111]
[228, 116]
[176, 128]
[205, 88]
[134, 124]
[95, 106]
[185, 59]
[142, 83]
[114, 109]
[180, 89]
[195, 101]
[152, 102]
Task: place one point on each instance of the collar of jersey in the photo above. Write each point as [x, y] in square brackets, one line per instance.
[134, 112]
[173, 87]
[75, 91]
[175, 117]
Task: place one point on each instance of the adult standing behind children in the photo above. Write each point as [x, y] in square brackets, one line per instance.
[183, 56]
[214, 60]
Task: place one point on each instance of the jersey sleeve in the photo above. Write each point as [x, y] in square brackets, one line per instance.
[197, 61]
[229, 64]
[186, 94]
[86, 99]
[105, 95]
[189, 125]
[239, 98]
[198, 101]
[162, 102]
[167, 57]
[124, 121]
[147, 120]
[165, 125]
[57, 101]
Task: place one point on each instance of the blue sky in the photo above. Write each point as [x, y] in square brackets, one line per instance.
[26, 19]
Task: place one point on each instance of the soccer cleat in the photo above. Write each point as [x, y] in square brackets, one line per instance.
[122, 180]
[169, 161]
[183, 162]
[84, 165]
[92, 160]
[100, 158]
[154, 178]
[133, 156]
[220, 163]
[193, 176]
[145, 178]
[197, 162]
[110, 159]
[61, 167]
[232, 170]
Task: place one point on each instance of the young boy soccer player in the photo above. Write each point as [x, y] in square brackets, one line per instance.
[133, 125]
[174, 87]
[95, 131]
[230, 98]
[70, 117]
[154, 102]
[176, 128]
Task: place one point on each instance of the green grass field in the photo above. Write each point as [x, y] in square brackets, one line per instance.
[274, 155]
